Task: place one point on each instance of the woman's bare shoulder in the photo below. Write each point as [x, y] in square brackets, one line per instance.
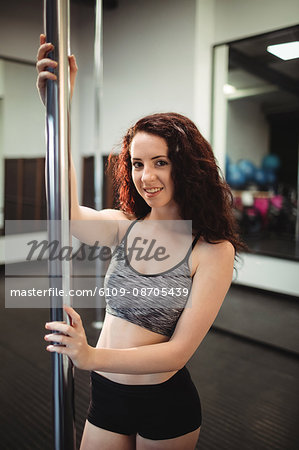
[218, 252]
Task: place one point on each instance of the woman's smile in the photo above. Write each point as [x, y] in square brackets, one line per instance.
[152, 192]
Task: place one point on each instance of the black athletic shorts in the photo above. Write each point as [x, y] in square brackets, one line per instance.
[154, 411]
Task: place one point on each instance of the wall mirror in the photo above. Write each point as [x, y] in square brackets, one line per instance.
[22, 143]
[255, 135]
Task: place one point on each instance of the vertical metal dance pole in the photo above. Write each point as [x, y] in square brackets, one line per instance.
[98, 78]
[56, 17]
[98, 84]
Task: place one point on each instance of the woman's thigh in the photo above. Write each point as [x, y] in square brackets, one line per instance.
[172, 413]
[95, 438]
[186, 442]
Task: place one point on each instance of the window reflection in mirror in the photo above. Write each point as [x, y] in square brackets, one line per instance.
[22, 144]
[261, 96]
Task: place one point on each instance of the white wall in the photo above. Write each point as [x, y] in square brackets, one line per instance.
[23, 113]
[82, 45]
[20, 26]
[273, 274]
[203, 60]
[235, 19]
[148, 62]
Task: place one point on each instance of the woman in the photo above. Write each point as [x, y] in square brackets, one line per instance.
[142, 394]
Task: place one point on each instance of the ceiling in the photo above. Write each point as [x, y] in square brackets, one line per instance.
[250, 64]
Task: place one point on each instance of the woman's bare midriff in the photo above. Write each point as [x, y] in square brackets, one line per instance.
[119, 333]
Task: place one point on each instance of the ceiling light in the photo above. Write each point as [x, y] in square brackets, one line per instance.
[229, 89]
[288, 50]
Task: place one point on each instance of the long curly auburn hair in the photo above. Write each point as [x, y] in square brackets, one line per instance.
[201, 193]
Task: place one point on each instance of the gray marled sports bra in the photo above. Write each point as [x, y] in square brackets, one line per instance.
[155, 301]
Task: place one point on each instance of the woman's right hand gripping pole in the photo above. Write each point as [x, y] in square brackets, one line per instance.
[43, 63]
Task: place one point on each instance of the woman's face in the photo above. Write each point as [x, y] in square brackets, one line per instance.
[151, 169]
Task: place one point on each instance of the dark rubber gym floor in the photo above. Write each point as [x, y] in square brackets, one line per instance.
[249, 391]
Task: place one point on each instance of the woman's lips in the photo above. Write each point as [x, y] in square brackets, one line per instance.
[152, 194]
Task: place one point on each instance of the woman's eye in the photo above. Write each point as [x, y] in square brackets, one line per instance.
[137, 165]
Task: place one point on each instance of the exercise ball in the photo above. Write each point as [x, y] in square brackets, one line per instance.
[270, 177]
[235, 177]
[271, 162]
[260, 177]
[247, 168]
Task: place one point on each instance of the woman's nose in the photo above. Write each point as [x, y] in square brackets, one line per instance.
[148, 174]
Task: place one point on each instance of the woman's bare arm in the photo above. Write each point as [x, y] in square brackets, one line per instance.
[89, 225]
